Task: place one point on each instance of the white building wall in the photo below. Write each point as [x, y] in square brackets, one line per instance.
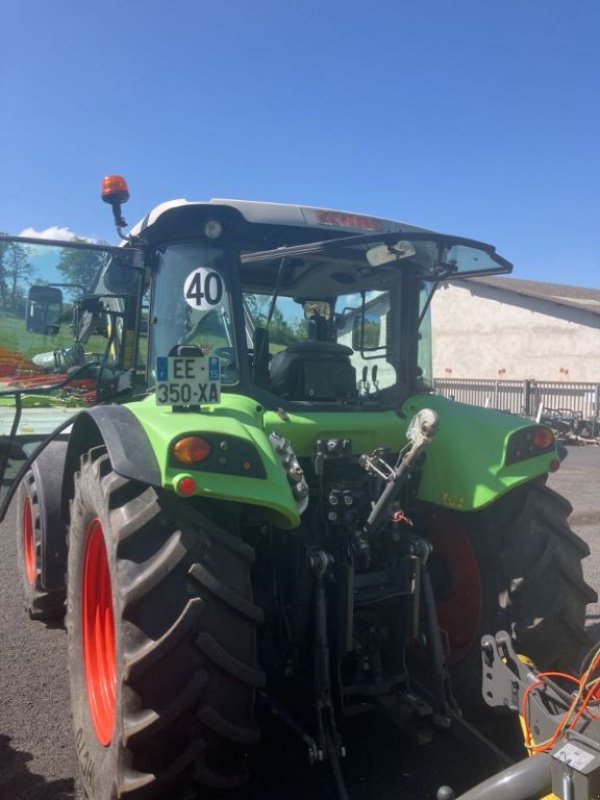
[484, 332]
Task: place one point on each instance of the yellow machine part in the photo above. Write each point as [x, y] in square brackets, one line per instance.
[522, 722]
[529, 663]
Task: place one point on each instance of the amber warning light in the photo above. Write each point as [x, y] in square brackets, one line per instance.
[114, 189]
[116, 192]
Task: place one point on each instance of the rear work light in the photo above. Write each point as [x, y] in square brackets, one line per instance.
[528, 443]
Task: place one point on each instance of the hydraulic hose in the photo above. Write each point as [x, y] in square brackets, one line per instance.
[524, 780]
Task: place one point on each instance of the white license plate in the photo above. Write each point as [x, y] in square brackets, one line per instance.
[188, 380]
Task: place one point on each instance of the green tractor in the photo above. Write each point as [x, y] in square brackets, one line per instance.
[231, 472]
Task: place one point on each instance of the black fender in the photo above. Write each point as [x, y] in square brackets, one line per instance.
[48, 471]
[126, 442]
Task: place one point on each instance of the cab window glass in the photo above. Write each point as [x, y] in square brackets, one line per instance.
[191, 305]
[424, 356]
[364, 328]
[288, 324]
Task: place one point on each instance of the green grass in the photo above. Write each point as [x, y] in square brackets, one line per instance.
[15, 338]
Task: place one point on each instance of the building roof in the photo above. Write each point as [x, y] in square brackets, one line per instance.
[571, 296]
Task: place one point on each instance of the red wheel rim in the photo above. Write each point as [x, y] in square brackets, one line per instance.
[28, 542]
[459, 612]
[98, 634]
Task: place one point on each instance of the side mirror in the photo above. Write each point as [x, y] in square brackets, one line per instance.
[44, 310]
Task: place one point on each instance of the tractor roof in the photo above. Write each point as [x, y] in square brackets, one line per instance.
[281, 214]
[268, 227]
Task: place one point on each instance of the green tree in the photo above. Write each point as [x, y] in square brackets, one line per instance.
[301, 330]
[15, 273]
[4, 248]
[279, 329]
[253, 307]
[19, 273]
[79, 265]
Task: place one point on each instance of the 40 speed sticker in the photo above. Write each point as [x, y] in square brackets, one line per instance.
[203, 289]
[188, 380]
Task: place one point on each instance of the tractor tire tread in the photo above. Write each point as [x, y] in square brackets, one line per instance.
[150, 652]
[209, 646]
[143, 785]
[171, 554]
[541, 557]
[41, 604]
[213, 719]
[169, 684]
[149, 723]
[220, 590]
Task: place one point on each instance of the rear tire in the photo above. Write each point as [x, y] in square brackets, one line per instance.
[41, 542]
[163, 688]
[545, 596]
[527, 580]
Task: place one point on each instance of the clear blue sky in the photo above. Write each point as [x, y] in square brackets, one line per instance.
[472, 117]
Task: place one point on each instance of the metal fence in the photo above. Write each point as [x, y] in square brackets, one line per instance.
[524, 397]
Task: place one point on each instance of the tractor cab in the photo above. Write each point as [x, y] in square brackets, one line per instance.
[299, 305]
[289, 305]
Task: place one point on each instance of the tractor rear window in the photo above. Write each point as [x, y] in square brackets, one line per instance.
[325, 350]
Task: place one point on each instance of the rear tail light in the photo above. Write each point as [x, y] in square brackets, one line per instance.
[542, 438]
[191, 450]
[528, 443]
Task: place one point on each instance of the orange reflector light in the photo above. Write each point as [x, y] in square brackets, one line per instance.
[191, 450]
[185, 485]
[114, 189]
[542, 438]
[554, 465]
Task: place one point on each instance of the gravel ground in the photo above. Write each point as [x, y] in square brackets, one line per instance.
[37, 760]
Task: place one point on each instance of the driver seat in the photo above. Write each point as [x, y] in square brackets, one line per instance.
[313, 371]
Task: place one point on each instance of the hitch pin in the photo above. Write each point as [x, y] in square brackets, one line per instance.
[568, 788]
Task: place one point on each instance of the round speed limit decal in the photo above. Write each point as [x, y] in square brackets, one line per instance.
[203, 288]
